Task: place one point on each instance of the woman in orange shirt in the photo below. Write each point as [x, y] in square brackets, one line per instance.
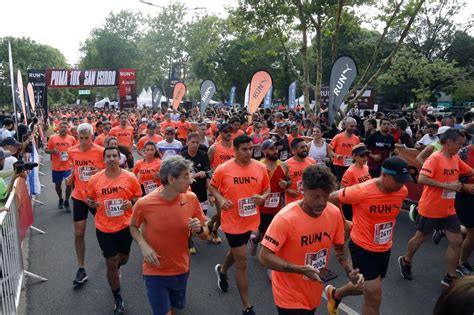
[147, 170]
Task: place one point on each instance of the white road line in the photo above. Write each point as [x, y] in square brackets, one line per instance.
[343, 307]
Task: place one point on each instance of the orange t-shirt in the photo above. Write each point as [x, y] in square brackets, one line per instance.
[85, 164]
[167, 124]
[237, 184]
[99, 140]
[342, 145]
[301, 239]
[141, 143]
[295, 171]
[124, 135]
[221, 154]
[60, 161]
[234, 135]
[374, 214]
[110, 193]
[291, 138]
[183, 129]
[355, 175]
[145, 173]
[437, 202]
[166, 230]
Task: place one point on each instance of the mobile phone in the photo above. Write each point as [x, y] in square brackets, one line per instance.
[326, 274]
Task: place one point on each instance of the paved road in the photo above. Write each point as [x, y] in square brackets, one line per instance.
[52, 256]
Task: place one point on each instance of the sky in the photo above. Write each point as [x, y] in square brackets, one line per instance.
[64, 24]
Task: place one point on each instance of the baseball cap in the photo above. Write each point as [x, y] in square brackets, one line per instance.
[397, 168]
[224, 126]
[4, 153]
[267, 144]
[281, 125]
[442, 130]
[360, 150]
[151, 125]
[10, 141]
[170, 130]
[143, 119]
[293, 126]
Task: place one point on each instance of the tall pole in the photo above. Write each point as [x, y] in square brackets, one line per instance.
[10, 60]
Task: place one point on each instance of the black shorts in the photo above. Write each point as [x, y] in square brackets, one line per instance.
[465, 209]
[112, 244]
[265, 220]
[370, 264]
[339, 171]
[237, 240]
[347, 210]
[295, 311]
[80, 210]
[428, 225]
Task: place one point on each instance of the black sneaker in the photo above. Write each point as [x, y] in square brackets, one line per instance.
[405, 269]
[67, 206]
[437, 236]
[81, 277]
[448, 280]
[119, 307]
[464, 269]
[248, 311]
[60, 204]
[222, 283]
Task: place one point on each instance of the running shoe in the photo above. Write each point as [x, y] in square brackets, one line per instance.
[248, 311]
[81, 276]
[222, 283]
[60, 204]
[332, 304]
[119, 307]
[413, 213]
[437, 236]
[448, 280]
[253, 245]
[405, 269]
[215, 239]
[464, 269]
[67, 206]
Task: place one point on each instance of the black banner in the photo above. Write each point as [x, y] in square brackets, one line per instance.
[37, 78]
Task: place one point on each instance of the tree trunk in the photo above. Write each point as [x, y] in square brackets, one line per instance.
[335, 37]
[319, 65]
[304, 54]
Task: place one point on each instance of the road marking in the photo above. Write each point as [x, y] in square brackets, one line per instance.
[343, 306]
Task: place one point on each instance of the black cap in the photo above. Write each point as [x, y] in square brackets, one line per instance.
[267, 144]
[224, 126]
[360, 150]
[10, 141]
[151, 125]
[397, 168]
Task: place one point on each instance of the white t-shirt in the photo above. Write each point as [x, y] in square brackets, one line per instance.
[8, 165]
[4, 133]
[169, 149]
[426, 139]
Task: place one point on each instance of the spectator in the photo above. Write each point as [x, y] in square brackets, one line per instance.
[457, 299]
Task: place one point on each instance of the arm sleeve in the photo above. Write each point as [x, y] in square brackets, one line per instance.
[339, 233]
[351, 195]
[216, 180]
[277, 234]
[429, 167]
[463, 167]
[137, 212]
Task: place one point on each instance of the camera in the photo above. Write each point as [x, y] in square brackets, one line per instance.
[20, 166]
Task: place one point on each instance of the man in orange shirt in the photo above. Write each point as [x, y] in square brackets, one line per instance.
[168, 216]
[124, 133]
[106, 127]
[239, 186]
[183, 127]
[440, 175]
[296, 165]
[298, 243]
[112, 192]
[150, 136]
[376, 204]
[167, 123]
[57, 146]
[340, 147]
[86, 159]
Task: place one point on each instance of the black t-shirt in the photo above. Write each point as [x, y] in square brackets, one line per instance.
[200, 163]
[283, 147]
[377, 143]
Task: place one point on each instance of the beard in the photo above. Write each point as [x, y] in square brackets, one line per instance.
[302, 155]
[272, 157]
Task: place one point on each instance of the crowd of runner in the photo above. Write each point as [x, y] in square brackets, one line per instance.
[286, 187]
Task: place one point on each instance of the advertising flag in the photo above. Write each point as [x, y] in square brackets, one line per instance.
[208, 89]
[292, 95]
[178, 93]
[31, 96]
[267, 101]
[156, 97]
[259, 85]
[21, 95]
[232, 96]
[246, 100]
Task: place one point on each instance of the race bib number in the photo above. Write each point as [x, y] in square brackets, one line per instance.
[205, 205]
[319, 161]
[149, 186]
[284, 155]
[86, 172]
[273, 200]
[448, 194]
[383, 233]
[299, 186]
[63, 156]
[347, 160]
[316, 260]
[257, 153]
[246, 207]
[113, 207]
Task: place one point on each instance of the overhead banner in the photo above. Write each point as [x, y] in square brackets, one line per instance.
[246, 100]
[156, 97]
[127, 85]
[267, 101]
[178, 94]
[232, 96]
[73, 78]
[208, 89]
[21, 96]
[37, 78]
[292, 95]
[343, 73]
[259, 86]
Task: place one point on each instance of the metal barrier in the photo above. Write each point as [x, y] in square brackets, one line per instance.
[12, 269]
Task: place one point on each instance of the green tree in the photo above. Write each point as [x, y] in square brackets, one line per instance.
[464, 91]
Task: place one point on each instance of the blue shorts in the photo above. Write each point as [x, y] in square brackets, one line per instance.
[166, 292]
[58, 176]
